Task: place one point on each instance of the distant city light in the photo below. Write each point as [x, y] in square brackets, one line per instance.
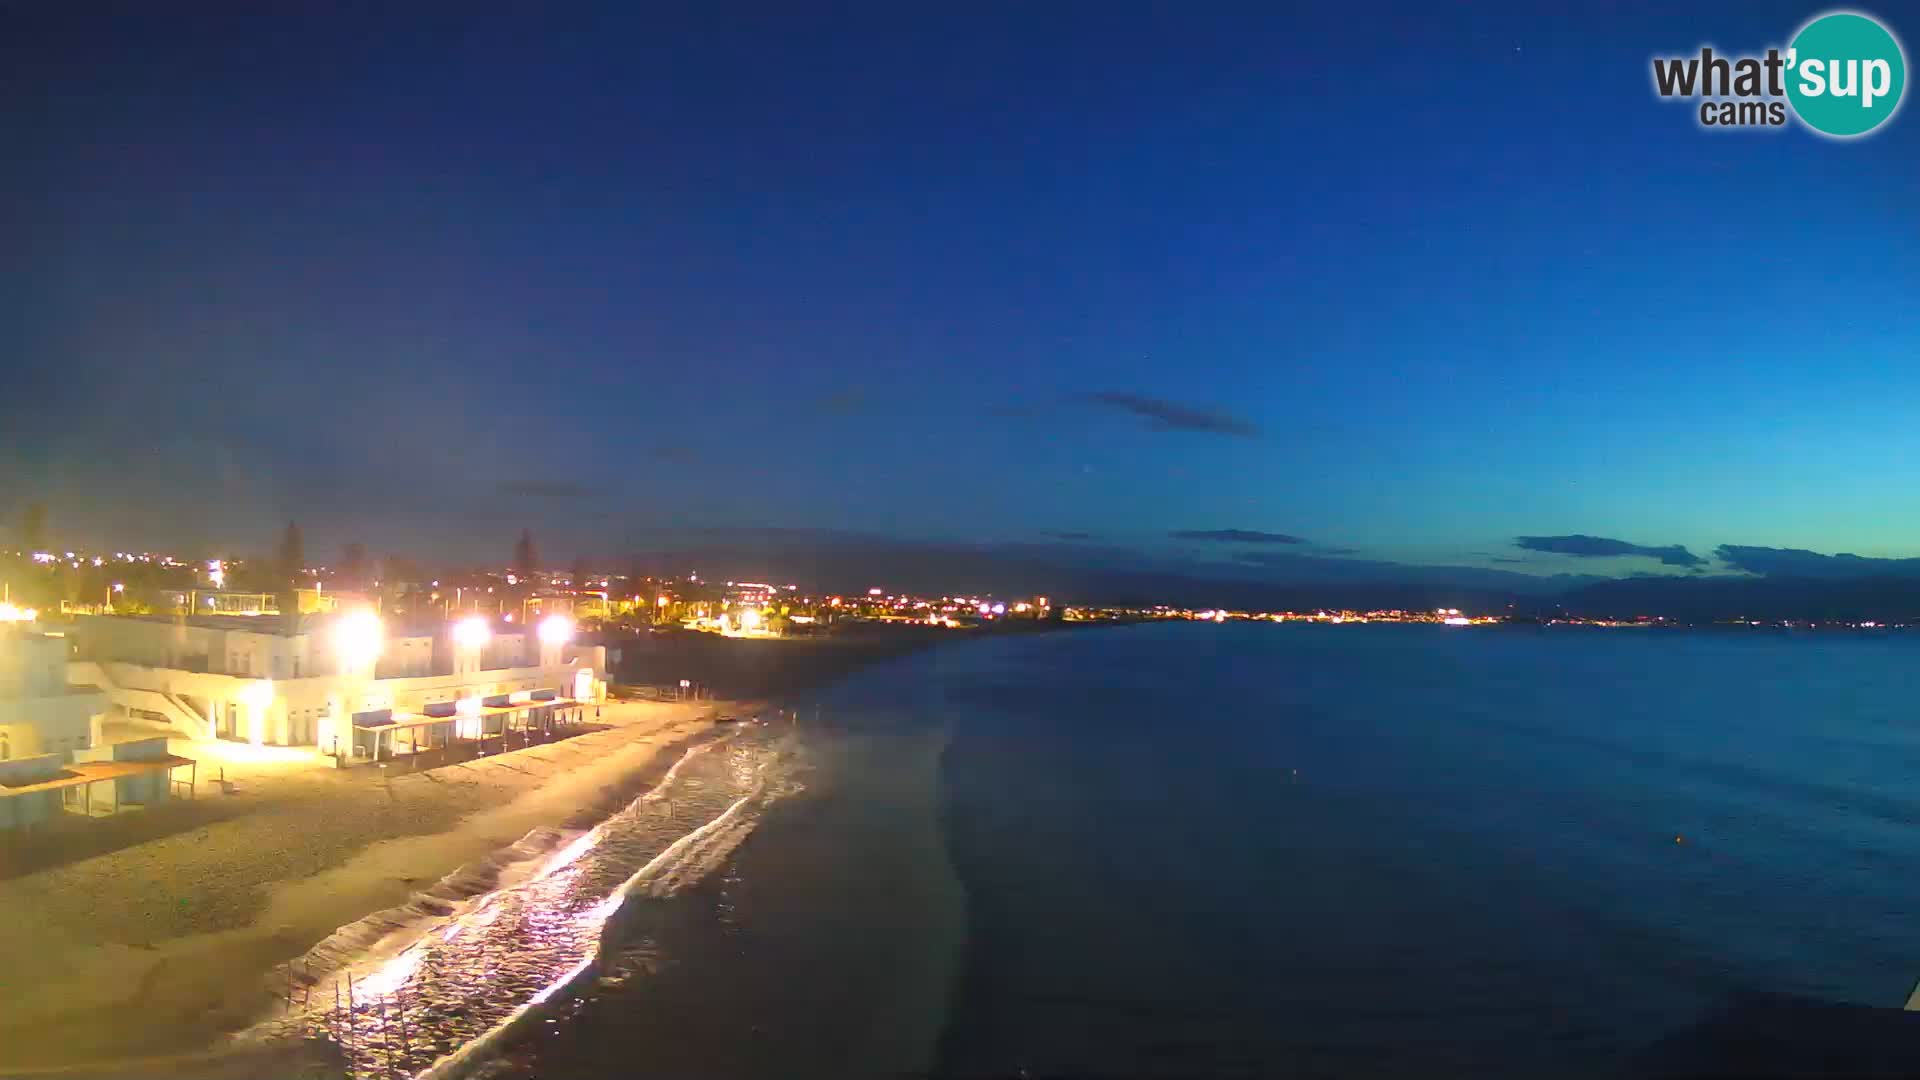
[873, 592]
[11, 613]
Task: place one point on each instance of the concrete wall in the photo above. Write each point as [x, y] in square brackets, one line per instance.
[39, 712]
[57, 724]
[407, 657]
[32, 664]
[17, 811]
[148, 789]
[169, 643]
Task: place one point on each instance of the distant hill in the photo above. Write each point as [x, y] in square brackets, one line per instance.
[1703, 599]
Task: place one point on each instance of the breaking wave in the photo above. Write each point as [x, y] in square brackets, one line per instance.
[429, 987]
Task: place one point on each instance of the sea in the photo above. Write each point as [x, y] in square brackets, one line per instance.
[1249, 849]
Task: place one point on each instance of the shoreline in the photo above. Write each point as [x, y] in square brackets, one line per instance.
[186, 935]
[851, 877]
[740, 668]
[208, 959]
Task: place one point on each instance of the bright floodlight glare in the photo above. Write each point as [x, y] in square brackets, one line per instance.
[356, 637]
[556, 629]
[471, 632]
[750, 619]
[258, 694]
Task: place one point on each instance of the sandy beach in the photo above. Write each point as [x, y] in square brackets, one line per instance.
[163, 945]
[147, 937]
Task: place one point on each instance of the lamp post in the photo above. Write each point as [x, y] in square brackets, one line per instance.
[357, 639]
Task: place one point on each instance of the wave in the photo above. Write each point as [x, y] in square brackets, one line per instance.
[685, 863]
[429, 986]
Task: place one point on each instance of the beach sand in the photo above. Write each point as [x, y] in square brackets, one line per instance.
[161, 946]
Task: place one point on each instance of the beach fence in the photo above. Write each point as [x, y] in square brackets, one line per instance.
[378, 1036]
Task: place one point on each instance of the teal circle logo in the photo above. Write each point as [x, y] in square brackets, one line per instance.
[1845, 74]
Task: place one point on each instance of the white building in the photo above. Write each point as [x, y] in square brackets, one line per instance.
[51, 753]
[40, 712]
[299, 680]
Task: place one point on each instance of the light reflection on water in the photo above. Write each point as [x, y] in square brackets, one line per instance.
[519, 945]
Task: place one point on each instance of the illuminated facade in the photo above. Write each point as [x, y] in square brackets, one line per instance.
[299, 681]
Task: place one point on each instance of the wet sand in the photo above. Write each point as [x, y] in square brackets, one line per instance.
[161, 947]
[829, 948]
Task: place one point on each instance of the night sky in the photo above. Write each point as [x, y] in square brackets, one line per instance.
[1345, 283]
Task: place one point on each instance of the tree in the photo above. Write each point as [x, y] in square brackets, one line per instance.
[292, 556]
[401, 568]
[33, 527]
[353, 564]
[579, 572]
[525, 556]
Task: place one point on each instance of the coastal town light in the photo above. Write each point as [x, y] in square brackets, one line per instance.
[472, 632]
[555, 630]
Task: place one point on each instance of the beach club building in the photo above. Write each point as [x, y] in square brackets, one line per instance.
[53, 758]
[345, 683]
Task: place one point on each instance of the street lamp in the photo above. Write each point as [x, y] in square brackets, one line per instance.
[357, 638]
[556, 630]
[472, 633]
[258, 698]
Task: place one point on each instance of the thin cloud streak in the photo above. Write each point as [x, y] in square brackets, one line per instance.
[1582, 546]
[1163, 415]
[1235, 536]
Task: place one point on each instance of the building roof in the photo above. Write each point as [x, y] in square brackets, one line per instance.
[89, 772]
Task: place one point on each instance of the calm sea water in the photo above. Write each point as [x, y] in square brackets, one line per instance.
[1255, 850]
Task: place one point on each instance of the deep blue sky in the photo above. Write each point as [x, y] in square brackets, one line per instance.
[1412, 281]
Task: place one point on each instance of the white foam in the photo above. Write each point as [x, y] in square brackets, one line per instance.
[683, 863]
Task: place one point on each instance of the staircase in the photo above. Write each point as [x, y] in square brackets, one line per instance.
[167, 707]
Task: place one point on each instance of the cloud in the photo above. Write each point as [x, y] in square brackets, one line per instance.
[546, 489]
[1601, 547]
[1235, 536]
[850, 401]
[1163, 415]
[1068, 535]
[1801, 563]
[1338, 551]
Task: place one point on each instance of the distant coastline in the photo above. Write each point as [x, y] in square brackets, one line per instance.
[739, 668]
